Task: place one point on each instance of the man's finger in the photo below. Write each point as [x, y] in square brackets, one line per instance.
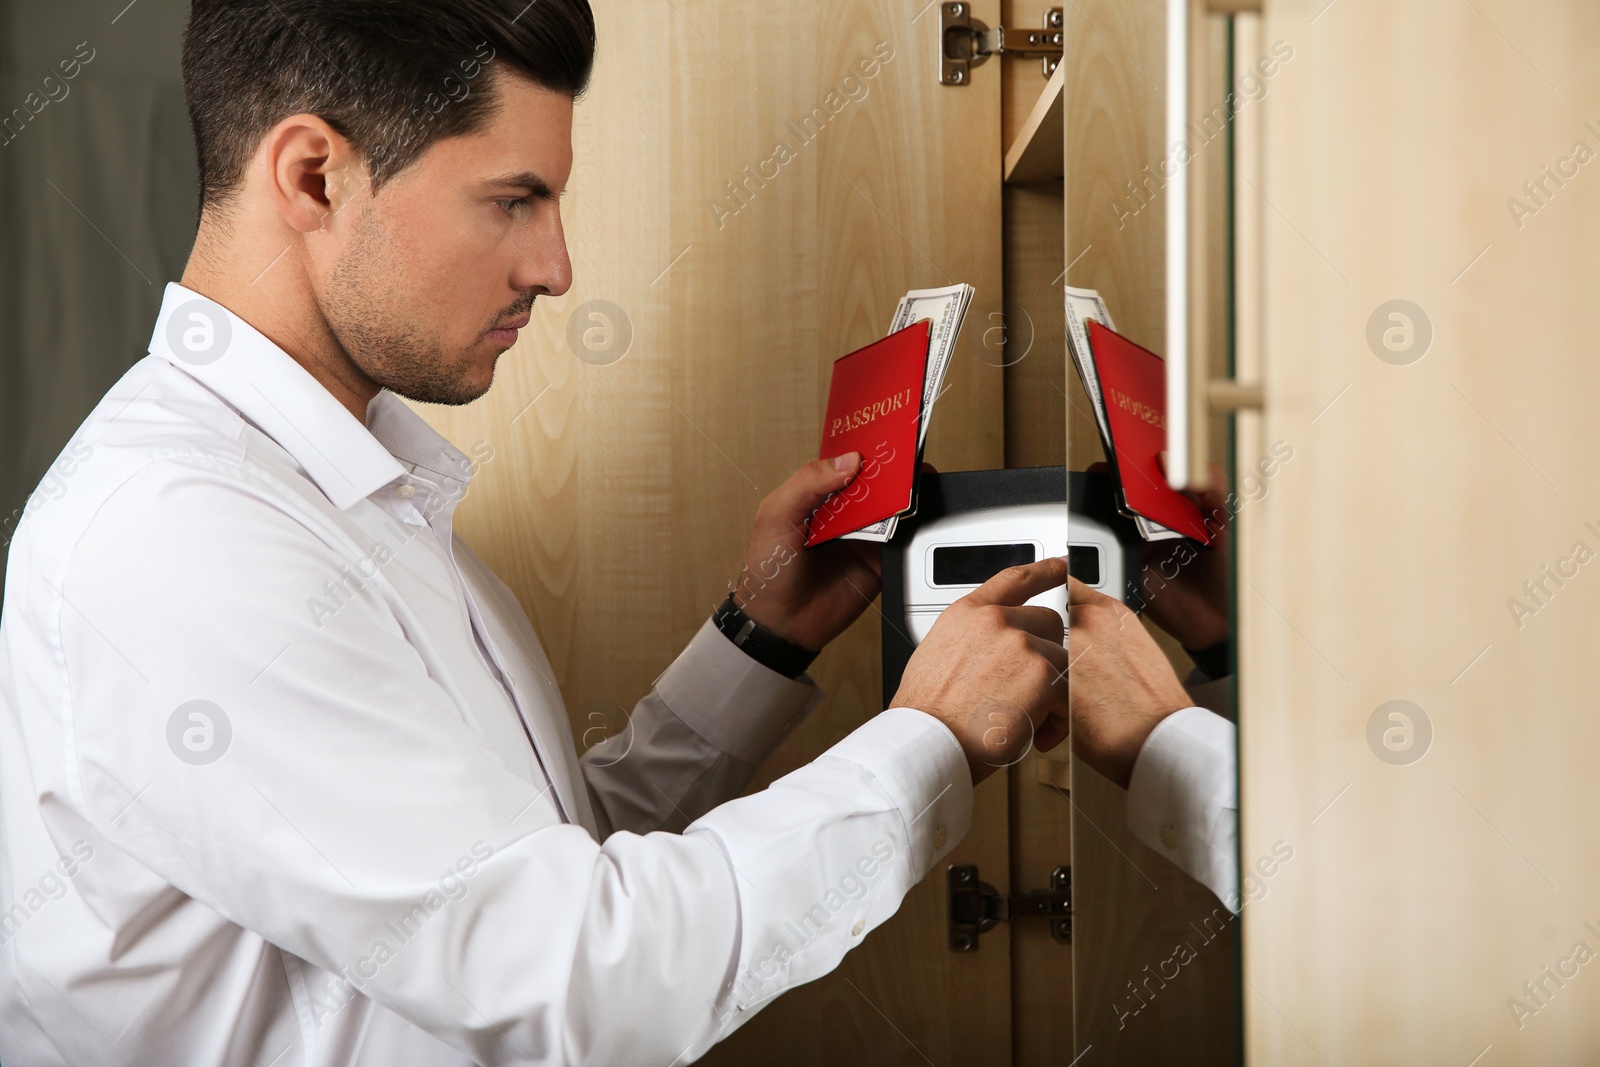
[1037, 620]
[1052, 732]
[1016, 584]
[811, 484]
[1210, 497]
[1078, 593]
[1056, 653]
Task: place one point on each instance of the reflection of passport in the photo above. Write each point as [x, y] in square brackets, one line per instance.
[875, 408]
[1134, 383]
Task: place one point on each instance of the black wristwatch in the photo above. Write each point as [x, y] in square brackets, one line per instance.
[760, 643]
[1214, 662]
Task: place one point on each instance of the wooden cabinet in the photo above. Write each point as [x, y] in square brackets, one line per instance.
[1443, 474]
[1408, 263]
[755, 186]
[1396, 239]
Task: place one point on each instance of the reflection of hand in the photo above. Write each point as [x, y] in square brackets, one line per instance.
[1122, 684]
[1185, 584]
[992, 669]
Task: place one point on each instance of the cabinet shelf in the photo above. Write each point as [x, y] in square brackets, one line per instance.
[1035, 155]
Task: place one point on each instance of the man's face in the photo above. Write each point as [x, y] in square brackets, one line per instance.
[431, 277]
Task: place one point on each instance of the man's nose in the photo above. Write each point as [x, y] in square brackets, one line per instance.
[545, 267]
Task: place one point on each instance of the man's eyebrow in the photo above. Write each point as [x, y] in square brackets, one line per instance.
[537, 187]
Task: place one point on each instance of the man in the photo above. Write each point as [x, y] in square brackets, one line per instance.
[284, 774]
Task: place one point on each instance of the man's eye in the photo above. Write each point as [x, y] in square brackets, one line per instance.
[512, 207]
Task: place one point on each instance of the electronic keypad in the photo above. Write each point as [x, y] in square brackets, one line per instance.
[970, 525]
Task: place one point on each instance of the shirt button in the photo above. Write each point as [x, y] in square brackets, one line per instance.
[1169, 836]
[407, 490]
[855, 931]
[939, 836]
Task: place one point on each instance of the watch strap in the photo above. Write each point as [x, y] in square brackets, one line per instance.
[760, 643]
[1216, 661]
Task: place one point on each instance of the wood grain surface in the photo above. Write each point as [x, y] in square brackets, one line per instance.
[1385, 562]
[620, 500]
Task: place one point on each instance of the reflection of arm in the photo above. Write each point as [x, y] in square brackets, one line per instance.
[1183, 798]
[695, 739]
[1215, 694]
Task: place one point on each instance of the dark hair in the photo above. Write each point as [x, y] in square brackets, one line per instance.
[392, 76]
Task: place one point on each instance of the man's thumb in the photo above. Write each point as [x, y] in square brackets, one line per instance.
[794, 502]
[813, 482]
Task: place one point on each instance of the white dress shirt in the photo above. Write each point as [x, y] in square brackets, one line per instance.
[286, 779]
[1183, 798]
[285, 776]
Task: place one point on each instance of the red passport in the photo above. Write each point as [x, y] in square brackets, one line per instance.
[874, 408]
[1133, 381]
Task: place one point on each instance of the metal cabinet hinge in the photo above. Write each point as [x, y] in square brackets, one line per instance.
[976, 906]
[965, 42]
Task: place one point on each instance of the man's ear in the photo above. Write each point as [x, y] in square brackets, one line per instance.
[314, 172]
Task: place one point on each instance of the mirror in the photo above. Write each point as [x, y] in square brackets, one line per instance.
[1156, 955]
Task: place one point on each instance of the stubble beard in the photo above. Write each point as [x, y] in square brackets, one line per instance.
[365, 310]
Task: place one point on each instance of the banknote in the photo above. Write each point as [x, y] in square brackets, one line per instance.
[944, 309]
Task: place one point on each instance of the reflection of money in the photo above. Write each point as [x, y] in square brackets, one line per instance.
[1084, 305]
[944, 309]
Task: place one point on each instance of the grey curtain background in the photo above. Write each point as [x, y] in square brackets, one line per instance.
[97, 214]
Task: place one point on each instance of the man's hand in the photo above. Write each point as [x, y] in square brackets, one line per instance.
[807, 596]
[1122, 684]
[993, 669]
[1187, 584]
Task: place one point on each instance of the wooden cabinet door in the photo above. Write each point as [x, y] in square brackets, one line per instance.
[1418, 601]
[755, 187]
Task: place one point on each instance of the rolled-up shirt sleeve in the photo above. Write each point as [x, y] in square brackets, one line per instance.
[1183, 798]
[356, 819]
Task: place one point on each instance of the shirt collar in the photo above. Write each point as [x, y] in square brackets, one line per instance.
[348, 461]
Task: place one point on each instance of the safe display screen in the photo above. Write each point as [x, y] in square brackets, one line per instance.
[1083, 563]
[976, 564]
